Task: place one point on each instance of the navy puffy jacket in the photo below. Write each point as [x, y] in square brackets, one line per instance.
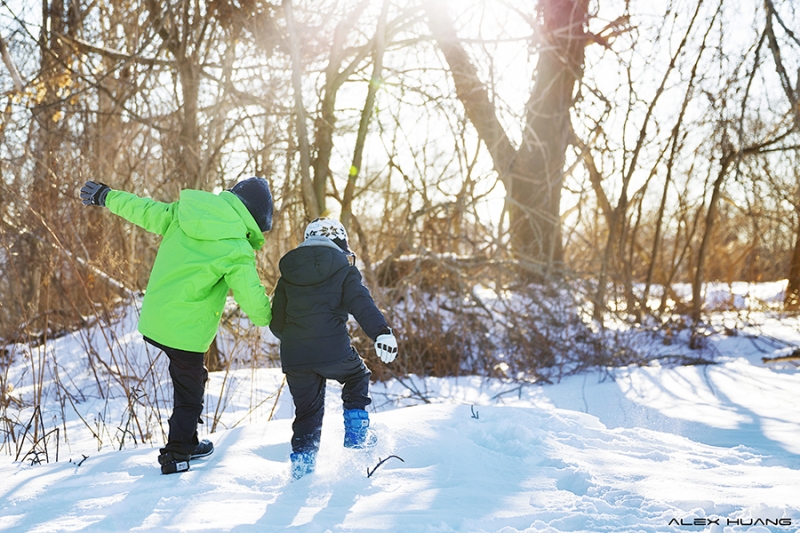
[317, 290]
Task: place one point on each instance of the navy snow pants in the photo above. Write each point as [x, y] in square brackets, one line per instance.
[189, 376]
[307, 386]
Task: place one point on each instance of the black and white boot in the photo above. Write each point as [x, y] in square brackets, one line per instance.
[173, 462]
[204, 448]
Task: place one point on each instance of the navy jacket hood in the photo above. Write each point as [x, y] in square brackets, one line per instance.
[312, 262]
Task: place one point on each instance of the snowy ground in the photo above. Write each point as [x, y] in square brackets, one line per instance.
[695, 448]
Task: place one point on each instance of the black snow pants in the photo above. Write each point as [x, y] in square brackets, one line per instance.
[307, 386]
[189, 376]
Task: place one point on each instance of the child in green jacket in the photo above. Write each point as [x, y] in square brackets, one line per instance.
[208, 247]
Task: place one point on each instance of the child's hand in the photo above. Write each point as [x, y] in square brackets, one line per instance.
[386, 347]
[93, 193]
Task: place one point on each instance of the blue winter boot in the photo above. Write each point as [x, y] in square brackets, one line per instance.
[303, 463]
[356, 429]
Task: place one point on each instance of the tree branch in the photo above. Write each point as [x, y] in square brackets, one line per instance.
[86, 47]
[470, 90]
[12, 68]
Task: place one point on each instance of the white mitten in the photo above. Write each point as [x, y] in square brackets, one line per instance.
[386, 347]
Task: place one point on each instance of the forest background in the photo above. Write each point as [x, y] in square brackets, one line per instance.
[579, 159]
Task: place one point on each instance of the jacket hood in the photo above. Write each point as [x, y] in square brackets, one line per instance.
[205, 216]
[314, 261]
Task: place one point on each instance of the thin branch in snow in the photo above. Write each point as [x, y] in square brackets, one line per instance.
[79, 463]
[380, 462]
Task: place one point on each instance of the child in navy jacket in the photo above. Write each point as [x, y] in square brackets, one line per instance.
[317, 290]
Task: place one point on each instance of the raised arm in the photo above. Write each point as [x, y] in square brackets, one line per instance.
[151, 215]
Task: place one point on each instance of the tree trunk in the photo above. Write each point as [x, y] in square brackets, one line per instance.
[791, 299]
[537, 171]
[532, 174]
[309, 198]
[617, 223]
[45, 199]
[702, 252]
[213, 358]
[187, 167]
[366, 115]
[325, 123]
[189, 137]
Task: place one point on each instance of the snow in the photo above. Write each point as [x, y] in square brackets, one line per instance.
[642, 448]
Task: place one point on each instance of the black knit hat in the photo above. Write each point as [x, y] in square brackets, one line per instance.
[256, 197]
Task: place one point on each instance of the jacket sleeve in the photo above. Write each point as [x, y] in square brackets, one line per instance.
[149, 214]
[359, 303]
[278, 309]
[248, 291]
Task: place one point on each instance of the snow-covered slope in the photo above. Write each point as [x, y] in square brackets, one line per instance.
[514, 468]
[693, 448]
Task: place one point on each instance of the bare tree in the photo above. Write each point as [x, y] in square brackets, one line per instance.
[533, 172]
[775, 22]
[378, 51]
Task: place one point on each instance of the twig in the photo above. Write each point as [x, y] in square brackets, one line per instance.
[474, 414]
[414, 390]
[277, 397]
[793, 357]
[684, 360]
[380, 462]
[19, 85]
[517, 389]
[25, 433]
[81, 461]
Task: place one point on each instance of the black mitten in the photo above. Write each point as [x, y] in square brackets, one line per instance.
[93, 193]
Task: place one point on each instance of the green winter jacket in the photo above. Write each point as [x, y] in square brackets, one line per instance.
[208, 247]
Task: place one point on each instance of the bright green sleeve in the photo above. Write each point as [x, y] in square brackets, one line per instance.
[248, 291]
[151, 215]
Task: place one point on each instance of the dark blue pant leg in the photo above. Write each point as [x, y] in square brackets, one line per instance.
[354, 375]
[307, 387]
[189, 376]
[308, 394]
